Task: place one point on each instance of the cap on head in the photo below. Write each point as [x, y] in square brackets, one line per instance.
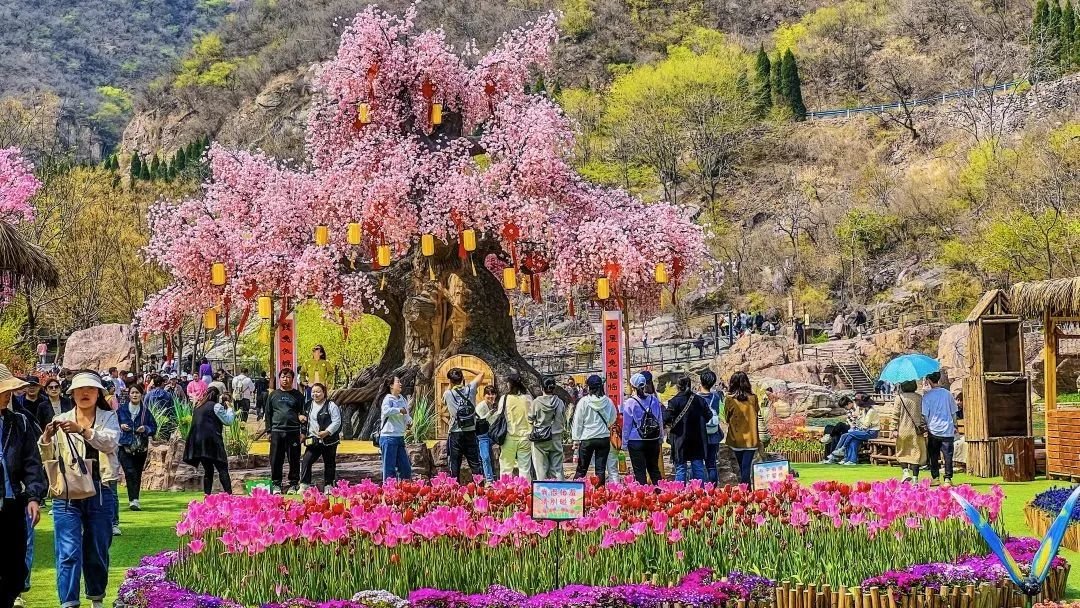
[86, 380]
[594, 382]
[638, 381]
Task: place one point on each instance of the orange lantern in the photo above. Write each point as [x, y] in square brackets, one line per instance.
[603, 288]
[354, 234]
[209, 319]
[217, 274]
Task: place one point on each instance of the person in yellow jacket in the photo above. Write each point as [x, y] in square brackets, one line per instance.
[317, 371]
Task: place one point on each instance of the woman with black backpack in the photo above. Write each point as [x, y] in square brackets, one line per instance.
[687, 415]
[643, 432]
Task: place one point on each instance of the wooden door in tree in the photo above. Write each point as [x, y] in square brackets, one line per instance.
[468, 362]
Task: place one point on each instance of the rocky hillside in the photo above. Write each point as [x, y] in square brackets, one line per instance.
[97, 55]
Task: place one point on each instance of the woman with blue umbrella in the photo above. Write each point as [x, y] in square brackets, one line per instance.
[908, 421]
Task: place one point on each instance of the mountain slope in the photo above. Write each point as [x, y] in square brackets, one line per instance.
[96, 54]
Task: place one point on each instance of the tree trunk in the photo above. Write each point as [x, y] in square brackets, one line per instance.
[430, 320]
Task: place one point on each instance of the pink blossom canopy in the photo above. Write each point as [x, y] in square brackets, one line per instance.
[17, 186]
[499, 163]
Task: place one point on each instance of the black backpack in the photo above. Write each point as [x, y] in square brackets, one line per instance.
[466, 411]
[649, 427]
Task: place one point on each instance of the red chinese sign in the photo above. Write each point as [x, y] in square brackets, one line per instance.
[285, 344]
[612, 339]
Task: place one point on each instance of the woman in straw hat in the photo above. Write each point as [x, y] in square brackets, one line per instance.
[83, 527]
[22, 489]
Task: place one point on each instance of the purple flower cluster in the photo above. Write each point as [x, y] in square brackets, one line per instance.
[145, 586]
[1053, 500]
[971, 569]
[697, 589]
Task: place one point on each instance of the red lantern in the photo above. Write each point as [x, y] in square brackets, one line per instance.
[511, 233]
[612, 270]
[339, 300]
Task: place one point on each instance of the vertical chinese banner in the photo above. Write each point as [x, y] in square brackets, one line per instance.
[285, 344]
[612, 340]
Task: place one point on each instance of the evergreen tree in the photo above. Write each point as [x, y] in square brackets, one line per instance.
[763, 102]
[777, 84]
[1051, 34]
[792, 85]
[144, 172]
[1067, 33]
[136, 167]
[180, 160]
[155, 168]
[170, 172]
[742, 86]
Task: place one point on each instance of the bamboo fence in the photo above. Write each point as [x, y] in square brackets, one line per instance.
[1040, 521]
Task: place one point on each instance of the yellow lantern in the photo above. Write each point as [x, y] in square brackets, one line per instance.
[209, 319]
[526, 285]
[383, 255]
[217, 273]
[661, 273]
[436, 113]
[603, 289]
[427, 244]
[266, 307]
[322, 235]
[354, 234]
[468, 239]
[363, 112]
[509, 278]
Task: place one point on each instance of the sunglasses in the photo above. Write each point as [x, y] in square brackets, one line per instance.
[52, 387]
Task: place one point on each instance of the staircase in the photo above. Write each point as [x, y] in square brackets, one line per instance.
[855, 376]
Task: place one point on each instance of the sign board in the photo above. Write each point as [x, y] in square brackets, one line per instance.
[285, 344]
[613, 353]
[558, 500]
[768, 472]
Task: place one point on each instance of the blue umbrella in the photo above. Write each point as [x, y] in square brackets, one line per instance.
[909, 367]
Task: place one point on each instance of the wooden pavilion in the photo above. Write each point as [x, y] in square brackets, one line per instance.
[1057, 303]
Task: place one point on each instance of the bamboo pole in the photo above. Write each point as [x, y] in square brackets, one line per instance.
[875, 597]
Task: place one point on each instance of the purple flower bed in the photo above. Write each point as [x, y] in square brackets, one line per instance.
[1053, 500]
[972, 569]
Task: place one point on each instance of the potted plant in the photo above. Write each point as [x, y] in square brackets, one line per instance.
[420, 430]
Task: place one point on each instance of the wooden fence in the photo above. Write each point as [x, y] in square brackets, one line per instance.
[1002, 595]
[1040, 521]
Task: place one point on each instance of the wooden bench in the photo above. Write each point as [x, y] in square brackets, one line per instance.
[883, 449]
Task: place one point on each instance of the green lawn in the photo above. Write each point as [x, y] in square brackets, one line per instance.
[148, 531]
[152, 529]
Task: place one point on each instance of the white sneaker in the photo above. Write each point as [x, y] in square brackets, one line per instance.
[115, 532]
[19, 602]
[98, 604]
[134, 505]
[304, 487]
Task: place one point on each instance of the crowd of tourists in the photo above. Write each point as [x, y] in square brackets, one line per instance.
[527, 432]
[924, 425]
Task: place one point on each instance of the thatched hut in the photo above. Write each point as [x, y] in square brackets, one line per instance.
[22, 263]
[1057, 303]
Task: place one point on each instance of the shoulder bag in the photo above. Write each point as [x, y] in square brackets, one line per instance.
[70, 480]
[498, 430]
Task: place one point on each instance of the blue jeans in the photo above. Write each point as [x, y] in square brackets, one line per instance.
[697, 470]
[29, 551]
[711, 455]
[745, 458]
[850, 441]
[83, 535]
[484, 441]
[395, 460]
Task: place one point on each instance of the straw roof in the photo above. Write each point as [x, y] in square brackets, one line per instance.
[1060, 297]
[23, 263]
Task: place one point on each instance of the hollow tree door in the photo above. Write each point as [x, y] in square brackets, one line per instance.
[469, 362]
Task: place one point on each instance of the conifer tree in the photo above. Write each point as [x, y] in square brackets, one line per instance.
[144, 172]
[792, 85]
[155, 167]
[180, 160]
[1051, 34]
[742, 86]
[136, 167]
[777, 83]
[763, 101]
[1067, 33]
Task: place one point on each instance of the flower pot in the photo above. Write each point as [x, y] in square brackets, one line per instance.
[423, 464]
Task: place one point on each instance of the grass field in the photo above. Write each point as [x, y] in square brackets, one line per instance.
[152, 529]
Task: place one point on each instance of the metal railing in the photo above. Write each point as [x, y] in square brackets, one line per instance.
[659, 355]
[896, 105]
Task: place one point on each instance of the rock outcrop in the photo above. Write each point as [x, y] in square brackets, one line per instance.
[100, 347]
[953, 352]
[754, 353]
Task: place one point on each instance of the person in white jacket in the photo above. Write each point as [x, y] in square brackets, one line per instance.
[591, 429]
[83, 526]
[395, 419]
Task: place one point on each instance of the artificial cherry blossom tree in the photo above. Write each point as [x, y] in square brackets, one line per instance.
[380, 156]
[20, 262]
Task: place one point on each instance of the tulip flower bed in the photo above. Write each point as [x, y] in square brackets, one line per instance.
[401, 536]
